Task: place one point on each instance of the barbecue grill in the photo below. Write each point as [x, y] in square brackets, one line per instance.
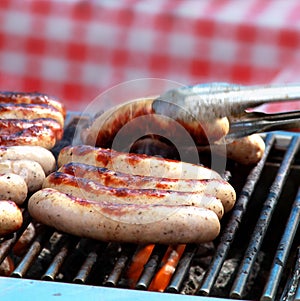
[256, 256]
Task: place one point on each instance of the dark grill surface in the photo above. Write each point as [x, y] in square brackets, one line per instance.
[256, 256]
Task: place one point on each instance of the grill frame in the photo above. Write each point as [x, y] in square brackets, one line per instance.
[52, 288]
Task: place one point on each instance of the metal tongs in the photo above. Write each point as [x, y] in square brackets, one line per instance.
[216, 100]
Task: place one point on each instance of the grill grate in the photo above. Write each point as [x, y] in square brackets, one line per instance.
[260, 234]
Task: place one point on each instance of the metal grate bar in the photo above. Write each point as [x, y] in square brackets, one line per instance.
[151, 267]
[92, 249]
[282, 252]
[9, 243]
[181, 270]
[31, 254]
[59, 259]
[119, 267]
[261, 227]
[86, 268]
[291, 292]
[234, 222]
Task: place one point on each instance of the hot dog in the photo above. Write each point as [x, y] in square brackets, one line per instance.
[36, 153]
[13, 187]
[91, 190]
[11, 218]
[137, 164]
[20, 126]
[30, 111]
[218, 188]
[128, 116]
[31, 98]
[131, 223]
[29, 170]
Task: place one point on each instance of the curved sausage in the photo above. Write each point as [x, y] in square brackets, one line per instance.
[38, 154]
[94, 191]
[11, 218]
[137, 164]
[218, 188]
[31, 98]
[13, 187]
[29, 170]
[138, 118]
[30, 111]
[15, 126]
[130, 223]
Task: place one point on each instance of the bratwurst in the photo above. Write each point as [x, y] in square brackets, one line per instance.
[11, 217]
[29, 170]
[139, 117]
[32, 98]
[30, 111]
[137, 164]
[36, 153]
[94, 191]
[216, 187]
[165, 224]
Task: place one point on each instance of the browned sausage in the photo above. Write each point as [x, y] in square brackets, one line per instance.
[138, 117]
[38, 136]
[21, 126]
[31, 98]
[94, 191]
[130, 223]
[30, 111]
[137, 164]
[218, 188]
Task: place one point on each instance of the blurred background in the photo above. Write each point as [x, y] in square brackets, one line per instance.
[75, 50]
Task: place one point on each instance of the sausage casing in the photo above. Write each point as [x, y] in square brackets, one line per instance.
[137, 164]
[30, 111]
[91, 190]
[29, 170]
[130, 223]
[11, 218]
[22, 126]
[31, 98]
[13, 187]
[38, 154]
[138, 117]
[218, 188]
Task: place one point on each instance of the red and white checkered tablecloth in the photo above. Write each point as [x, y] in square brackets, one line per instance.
[75, 50]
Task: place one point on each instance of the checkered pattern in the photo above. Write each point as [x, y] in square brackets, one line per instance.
[75, 50]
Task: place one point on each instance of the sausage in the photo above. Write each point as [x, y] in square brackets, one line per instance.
[11, 217]
[94, 191]
[13, 187]
[30, 111]
[247, 150]
[32, 136]
[29, 170]
[218, 188]
[131, 223]
[31, 98]
[36, 153]
[15, 126]
[131, 163]
[136, 118]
